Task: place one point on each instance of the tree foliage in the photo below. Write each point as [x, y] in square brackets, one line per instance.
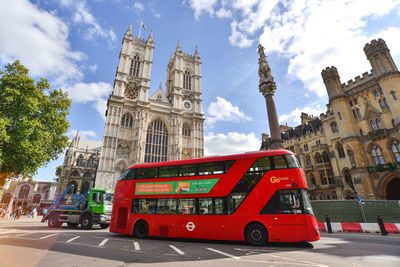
[33, 121]
[58, 171]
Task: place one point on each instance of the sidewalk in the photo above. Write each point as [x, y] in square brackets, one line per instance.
[22, 219]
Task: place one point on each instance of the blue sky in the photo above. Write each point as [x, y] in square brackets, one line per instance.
[75, 44]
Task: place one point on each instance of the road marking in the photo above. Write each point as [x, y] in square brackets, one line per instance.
[46, 236]
[225, 254]
[6, 232]
[177, 249]
[24, 234]
[103, 242]
[72, 239]
[136, 244]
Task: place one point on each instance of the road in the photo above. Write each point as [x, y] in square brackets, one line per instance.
[27, 242]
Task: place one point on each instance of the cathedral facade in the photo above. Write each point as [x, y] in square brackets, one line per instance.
[168, 125]
[353, 149]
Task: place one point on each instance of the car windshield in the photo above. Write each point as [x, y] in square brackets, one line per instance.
[108, 197]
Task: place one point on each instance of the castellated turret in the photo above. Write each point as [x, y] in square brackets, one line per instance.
[332, 82]
[379, 57]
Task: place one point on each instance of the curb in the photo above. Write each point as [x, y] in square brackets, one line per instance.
[392, 228]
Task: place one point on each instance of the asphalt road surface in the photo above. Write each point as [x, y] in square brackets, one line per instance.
[27, 242]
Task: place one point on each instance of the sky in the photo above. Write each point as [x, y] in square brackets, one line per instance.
[75, 44]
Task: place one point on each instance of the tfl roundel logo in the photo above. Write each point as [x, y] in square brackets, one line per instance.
[190, 226]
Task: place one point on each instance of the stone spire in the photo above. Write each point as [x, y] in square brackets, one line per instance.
[196, 52]
[267, 87]
[150, 39]
[129, 31]
[178, 47]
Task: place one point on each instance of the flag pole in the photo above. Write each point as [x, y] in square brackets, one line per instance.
[140, 28]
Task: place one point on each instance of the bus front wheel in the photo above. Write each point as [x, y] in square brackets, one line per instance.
[256, 234]
[141, 229]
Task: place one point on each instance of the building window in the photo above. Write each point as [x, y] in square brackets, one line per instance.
[156, 142]
[329, 174]
[354, 113]
[91, 163]
[75, 173]
[394, 95]
[381, 104]
[308, 160]
[373, 125]
[305, 147]
[351, 103]
[126, 121]
[79, 161]
[6, 198]
[377, 155]
[135, 65]
[24, 192]
[325, 156]
[36, 198]
[186, 130]
[340, 150]
[187, 80]
[396, 150]
[379, 124]
[322, 177]
[385, 102]
[340, 116]
[312, 178]
[358, 112]
[318, 158]
[334, 127]
[355, 101]
[380, 91]
[376, 93]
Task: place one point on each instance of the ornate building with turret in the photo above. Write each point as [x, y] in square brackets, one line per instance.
[168, 125]
[353, 150]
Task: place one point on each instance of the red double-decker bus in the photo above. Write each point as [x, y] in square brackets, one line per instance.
[258, 197]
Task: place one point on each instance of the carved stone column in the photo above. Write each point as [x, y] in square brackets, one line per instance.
[267, 87]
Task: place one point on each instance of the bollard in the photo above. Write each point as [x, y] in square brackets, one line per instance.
[381, 225]
[328, 224]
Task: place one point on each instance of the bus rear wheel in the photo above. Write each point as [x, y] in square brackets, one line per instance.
[256, 234]
[141, 229]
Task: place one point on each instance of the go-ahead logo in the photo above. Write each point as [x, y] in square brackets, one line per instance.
[277, 180]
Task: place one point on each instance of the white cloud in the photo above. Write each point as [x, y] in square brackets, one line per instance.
[237, 38]
[294, 115]
[93, 68]
[39, 40]
[87, 134]
[81, 14]
[223, 13]
[95, 93]
[138, 6]
[230, 143]
[223, 110]
[202, 5]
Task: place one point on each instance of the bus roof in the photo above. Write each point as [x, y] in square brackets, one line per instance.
[213, 158]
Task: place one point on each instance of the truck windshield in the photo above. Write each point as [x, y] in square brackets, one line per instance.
[108, 197]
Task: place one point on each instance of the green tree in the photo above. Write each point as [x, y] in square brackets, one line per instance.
[58, 171]
[33, 122]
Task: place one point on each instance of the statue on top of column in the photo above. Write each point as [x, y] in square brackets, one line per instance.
[264, 71]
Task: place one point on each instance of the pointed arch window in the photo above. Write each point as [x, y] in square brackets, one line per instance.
[340, 150]
[376, 93]
[358, 112]
[126, 121]
[186, 130]
[36, 198]
[385, 102]
[91, 162]
[135, 65]
[312, 179]
[318, 158]
[24, 192]
[79, 161]
[156, 142]
[75, 173]
[396, 150]
[187, 80]
[6, 198]
[381, 104]
[354, 113]
[334, 127]
[308, 160]
[325, 156]
[394, 95]
[378, 124]
[377, 155]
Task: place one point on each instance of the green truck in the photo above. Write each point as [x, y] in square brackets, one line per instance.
[87, 210]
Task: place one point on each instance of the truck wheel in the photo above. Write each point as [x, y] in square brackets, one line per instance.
[86, 221]
[53, 221]
[256, 234]
[104, 226]
[72, 225]
[141, 229]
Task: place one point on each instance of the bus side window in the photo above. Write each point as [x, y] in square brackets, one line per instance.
[279, 162]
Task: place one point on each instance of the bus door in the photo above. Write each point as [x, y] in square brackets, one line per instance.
[287, 220]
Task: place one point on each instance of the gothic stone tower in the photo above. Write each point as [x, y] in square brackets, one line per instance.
[164, 126]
